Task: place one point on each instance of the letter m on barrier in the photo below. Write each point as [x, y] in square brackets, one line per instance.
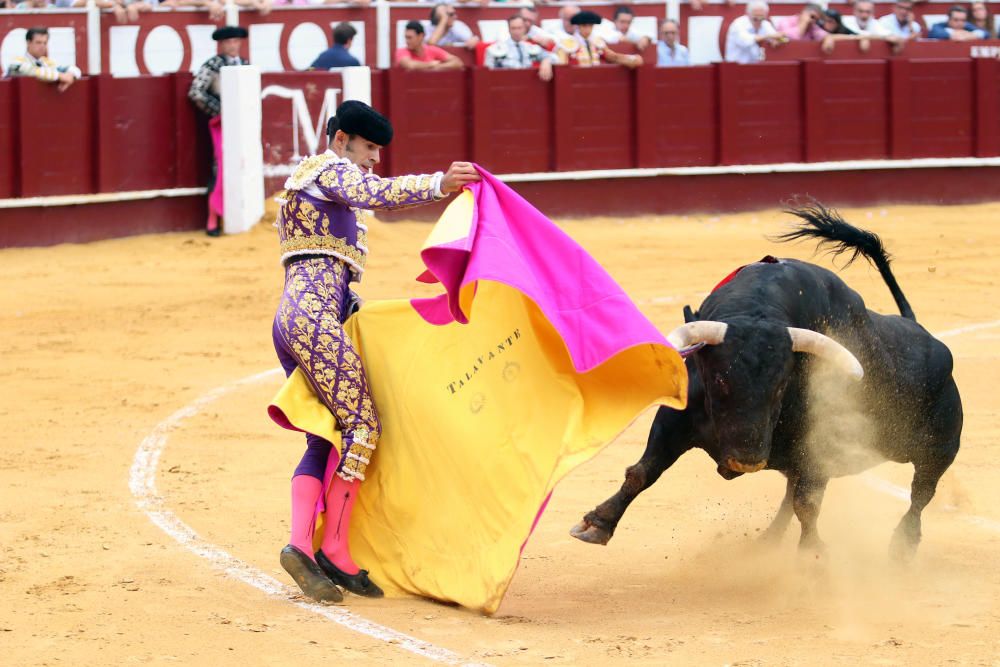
[302, 123]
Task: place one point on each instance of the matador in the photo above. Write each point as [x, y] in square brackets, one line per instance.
[324, 244]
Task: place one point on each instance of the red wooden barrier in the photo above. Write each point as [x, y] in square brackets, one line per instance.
[135, 134]
[760, 113]
[846, 110]
[511, 121]
[56, 138]
[430, 112]
[677, 116]
[878, 50]
[987, 108]
[941, 108]
[594, 118]
[9, 185]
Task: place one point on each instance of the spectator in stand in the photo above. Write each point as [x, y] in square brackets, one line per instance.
[36, 62]
[669, 51]
[901, 22]
[204, 94]
[621, 29]
[981, 17]
[586, 49]
[863, 22]
[515, 52]
[417, 55]
[747, 33]
[217, 8]
[957, 27]
[33, 4]
[448, 30]
[833, 23]
[566, 14]
[536, 34]
[338, 55]
[803, 27]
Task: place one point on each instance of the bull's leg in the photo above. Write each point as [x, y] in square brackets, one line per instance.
[907, 535]
[806, 501]
[668, 439]
[774, 532]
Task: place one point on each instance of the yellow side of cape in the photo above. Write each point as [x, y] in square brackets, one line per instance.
[480, 421]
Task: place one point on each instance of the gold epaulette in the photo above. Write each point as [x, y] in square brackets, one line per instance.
[309, 170]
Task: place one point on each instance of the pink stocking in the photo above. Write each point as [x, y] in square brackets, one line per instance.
[339, 504]
[306, 490]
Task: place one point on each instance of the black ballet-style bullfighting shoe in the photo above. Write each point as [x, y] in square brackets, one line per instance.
[359, 583]
[308, 575]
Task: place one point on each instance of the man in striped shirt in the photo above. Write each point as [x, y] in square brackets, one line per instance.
[36, 62]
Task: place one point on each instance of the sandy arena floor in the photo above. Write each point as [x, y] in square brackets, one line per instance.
[103, 342]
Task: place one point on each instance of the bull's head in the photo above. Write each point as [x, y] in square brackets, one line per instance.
[745, 368]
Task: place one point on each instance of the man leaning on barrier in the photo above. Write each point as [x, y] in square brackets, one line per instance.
[37, 64]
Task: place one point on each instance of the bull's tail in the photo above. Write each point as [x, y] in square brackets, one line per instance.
[819, 222]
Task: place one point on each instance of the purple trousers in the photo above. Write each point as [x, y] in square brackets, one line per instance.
[307, 333]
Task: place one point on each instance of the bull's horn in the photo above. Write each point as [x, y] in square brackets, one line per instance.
[702, 331]
[812, 342]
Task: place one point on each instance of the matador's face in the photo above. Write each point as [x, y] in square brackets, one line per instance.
[357, 149]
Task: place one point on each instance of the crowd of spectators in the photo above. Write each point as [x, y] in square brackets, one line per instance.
[583, 38]
[748, 34]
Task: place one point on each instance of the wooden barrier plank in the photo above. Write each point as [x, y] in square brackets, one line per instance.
[987, 107]
[511, 121]
[430, 113]
[761, 113]
[9, 153]
[135, 133]
[594, 118]
[846, 110]
[677, 113]
[57, 138]
[193, 147]
[942, 107]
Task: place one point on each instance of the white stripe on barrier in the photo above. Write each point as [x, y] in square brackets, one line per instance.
[100, 198]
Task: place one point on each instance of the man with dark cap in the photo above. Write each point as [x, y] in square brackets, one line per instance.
[586, 49]
[204, 92]
[324, 244]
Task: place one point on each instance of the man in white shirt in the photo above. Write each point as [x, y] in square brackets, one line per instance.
[748, 33]
[863, 21]
[900, 22]
[566, 14]
[669, 51]
[621, 31]
[535, 33]
[448, 30]
[515, 52]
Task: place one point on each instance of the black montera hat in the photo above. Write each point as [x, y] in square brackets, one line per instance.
[354, 117]
[228, 32]
[586, 18]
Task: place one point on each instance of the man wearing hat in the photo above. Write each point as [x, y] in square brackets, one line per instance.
[324, 244]
[586, 49]
[204, 92]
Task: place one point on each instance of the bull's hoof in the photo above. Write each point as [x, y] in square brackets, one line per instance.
[588, 532]
[903, 546]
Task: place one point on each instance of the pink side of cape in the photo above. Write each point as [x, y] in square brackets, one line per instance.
[511, 242]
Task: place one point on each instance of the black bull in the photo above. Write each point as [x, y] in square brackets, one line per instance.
[749, 393]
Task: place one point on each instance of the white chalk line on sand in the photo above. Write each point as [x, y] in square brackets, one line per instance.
[142, 482]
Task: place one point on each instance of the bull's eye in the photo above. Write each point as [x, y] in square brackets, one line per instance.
[721, 384]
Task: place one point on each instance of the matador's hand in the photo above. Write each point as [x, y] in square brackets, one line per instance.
[459, 174]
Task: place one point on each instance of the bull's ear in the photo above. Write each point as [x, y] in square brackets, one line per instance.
[688, 315]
